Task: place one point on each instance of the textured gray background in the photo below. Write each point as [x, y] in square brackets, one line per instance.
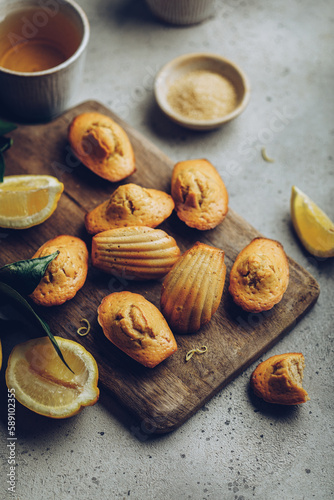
[234, 448]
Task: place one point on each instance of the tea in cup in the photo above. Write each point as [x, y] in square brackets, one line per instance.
[42, 43]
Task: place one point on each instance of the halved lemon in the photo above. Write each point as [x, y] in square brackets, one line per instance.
[28, 200]
[313, 227]
[45, 385]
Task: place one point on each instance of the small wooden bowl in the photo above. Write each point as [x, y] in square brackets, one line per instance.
[182, 65]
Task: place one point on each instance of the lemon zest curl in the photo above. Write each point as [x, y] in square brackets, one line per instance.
[200, 350]
[84, 330]
[265, 156]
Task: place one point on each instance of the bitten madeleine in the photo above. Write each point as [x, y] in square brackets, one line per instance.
[137, 327]
[279, 379]
[259, 276]
[65, 275]
[135, 252]
[192, 290]
[200, 196]
[130, 205]
[102, 145]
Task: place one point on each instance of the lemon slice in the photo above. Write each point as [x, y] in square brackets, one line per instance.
[312, 225]
[45, 385]
[28, 200]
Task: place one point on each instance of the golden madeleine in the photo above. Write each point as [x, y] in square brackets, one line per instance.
[135, 252]
[102, 145]
[260, 275]
[137, 327]
[65, 275]
[130, 205]
[192, 290]
[279, 379]
[200, 195]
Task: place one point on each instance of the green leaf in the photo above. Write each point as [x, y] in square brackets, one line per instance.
[6, 127]
[5, 143]
[2, 166]
[25, 275]
[20, 302]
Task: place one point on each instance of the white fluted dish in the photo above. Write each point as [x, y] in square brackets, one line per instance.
[182, 12]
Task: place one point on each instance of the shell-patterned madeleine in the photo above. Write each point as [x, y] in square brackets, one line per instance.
[135, 252]
[192, 290]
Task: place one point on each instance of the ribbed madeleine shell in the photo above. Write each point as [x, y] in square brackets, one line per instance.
[135, 252]
[192, 290]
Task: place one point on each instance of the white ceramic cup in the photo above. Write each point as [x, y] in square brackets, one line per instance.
[182, 11]
[42, 95]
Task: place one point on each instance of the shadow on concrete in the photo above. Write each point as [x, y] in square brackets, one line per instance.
[274, 411]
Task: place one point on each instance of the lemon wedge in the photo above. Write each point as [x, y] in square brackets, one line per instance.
[45, 385]
[313, 227]
[28, 200]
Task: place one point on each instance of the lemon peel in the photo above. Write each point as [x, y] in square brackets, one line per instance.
[265, 156]
[84, 330]
[198, 350]
[28, 200]
[313, 227]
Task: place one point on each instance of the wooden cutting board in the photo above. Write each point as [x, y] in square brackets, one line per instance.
[164, 397]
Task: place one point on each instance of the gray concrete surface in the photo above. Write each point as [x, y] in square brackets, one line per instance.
[232, 449]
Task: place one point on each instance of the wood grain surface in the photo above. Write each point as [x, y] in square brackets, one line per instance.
[166, 396]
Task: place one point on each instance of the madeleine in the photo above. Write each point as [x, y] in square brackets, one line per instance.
[102, 146]
[192, 290]
[200, 195]
[140, 253]
[260, 275]
[137, 327]
[279, 379]
[65, 274]
[130, 205]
